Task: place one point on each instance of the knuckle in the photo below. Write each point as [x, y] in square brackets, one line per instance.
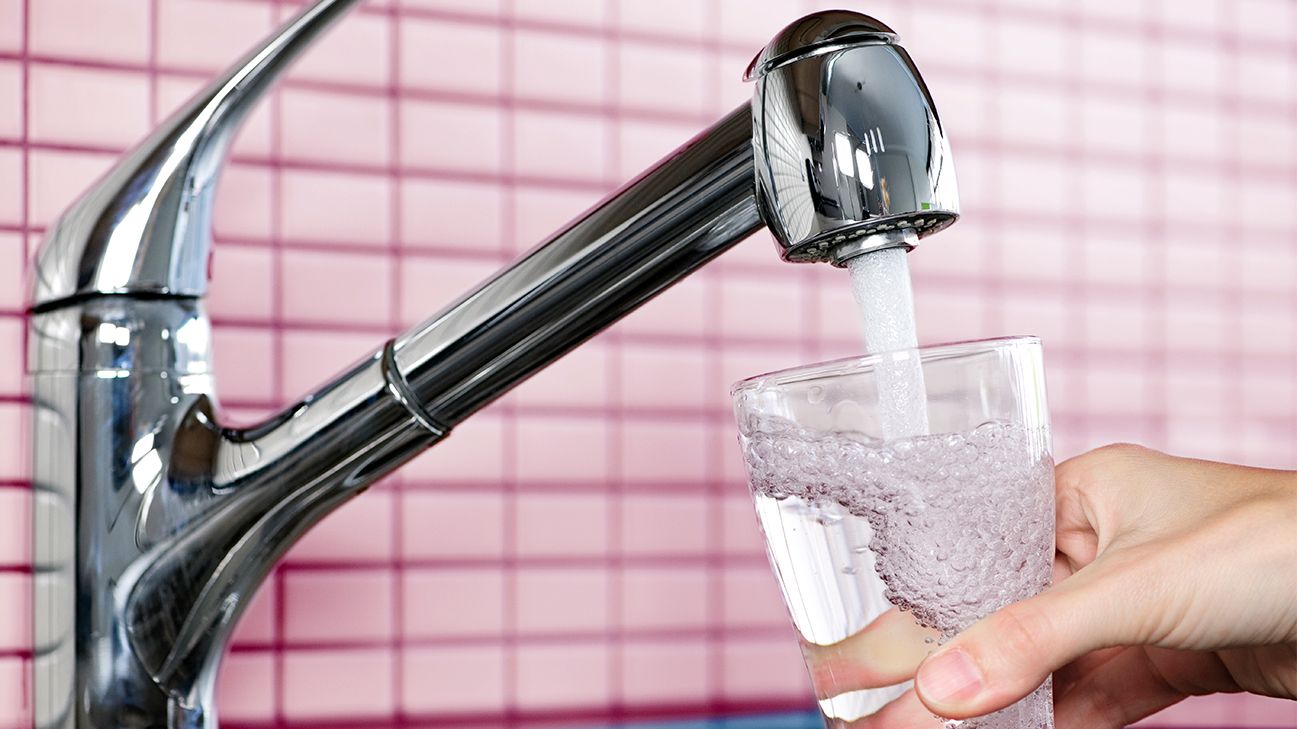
[1103, 463]
[1024, 633]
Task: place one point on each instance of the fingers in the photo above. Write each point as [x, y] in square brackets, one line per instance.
[885, 653]
[1004, 657]
[1097, 494]
[1124, 688]
[906, 712]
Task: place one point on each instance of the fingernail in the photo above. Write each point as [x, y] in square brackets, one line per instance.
[950, 677]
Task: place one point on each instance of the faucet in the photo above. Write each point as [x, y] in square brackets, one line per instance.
[154, 523]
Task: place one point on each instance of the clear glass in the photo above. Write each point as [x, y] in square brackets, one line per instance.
[884, 547]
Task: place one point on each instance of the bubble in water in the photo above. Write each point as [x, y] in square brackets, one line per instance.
[951, 546]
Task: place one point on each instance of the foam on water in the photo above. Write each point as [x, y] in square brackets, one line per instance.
[955, 526]
[880, 284]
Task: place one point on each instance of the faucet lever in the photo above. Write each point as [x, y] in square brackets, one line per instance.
[144, 229]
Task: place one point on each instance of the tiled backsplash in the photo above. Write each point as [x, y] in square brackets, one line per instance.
[585, 546]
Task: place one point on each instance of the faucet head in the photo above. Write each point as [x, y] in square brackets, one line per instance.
[851, 156]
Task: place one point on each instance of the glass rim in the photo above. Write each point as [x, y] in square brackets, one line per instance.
[865, 362]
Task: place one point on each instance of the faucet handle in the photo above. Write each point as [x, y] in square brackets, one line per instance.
[144, 228]
[850, 153]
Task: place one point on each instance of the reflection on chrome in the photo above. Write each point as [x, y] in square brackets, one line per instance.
[154, 523]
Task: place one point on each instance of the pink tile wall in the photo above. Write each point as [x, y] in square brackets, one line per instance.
[585, 547]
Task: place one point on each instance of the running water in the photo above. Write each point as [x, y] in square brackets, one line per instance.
[880, 284]
[944, 528]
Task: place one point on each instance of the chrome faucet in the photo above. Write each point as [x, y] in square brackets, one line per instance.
[154, 523]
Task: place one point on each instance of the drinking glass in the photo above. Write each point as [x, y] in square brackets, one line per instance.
[886, 541]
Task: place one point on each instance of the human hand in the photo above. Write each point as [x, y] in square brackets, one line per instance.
[1173, 577]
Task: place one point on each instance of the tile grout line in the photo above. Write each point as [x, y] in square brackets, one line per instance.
[277, 364]
[715, 647]
[1076, 288]
[397, 562]
[1227, 49]
[1156, 230]
[24, 244]
[510, 482]
[1292, 292]
[1179, 161]
[616, 372]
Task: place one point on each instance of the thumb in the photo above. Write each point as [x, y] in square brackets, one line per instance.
[1008, 654]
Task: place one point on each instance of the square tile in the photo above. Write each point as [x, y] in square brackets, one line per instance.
[443, 55]
[562, 600]
[766, 669]
[112, 30]
[329, 127]
[337, 207]
[477, 129]
[245, 690]
[664, 524]
[671, 18]
[549, 525]
[452, 214]
[338, 607]
[243, 203]
[563, 67]
[562, 449]
[15, 700]
[258, 625]
[13, 293]
[311, 358]
[90, 107]
[592, 13]
[430, 284]
[15, 612]
[326, 684]
[15, 458]
[664, 598]
[473, 453]
[574, 145]
[209, 35]
[242, 283]
[336, 288]
[11, 100]
[11, 24]
[233, 349]
[752, 598]
[356, 51]
[453, 602]
[447, 525]
[15, 527]
[453, 680]
[663, 452]
[360, 532]
[11, 188]
[55, 179]
[539, 212]
[579, 378]
[659, 80]
[562, 676]
[665, 673]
